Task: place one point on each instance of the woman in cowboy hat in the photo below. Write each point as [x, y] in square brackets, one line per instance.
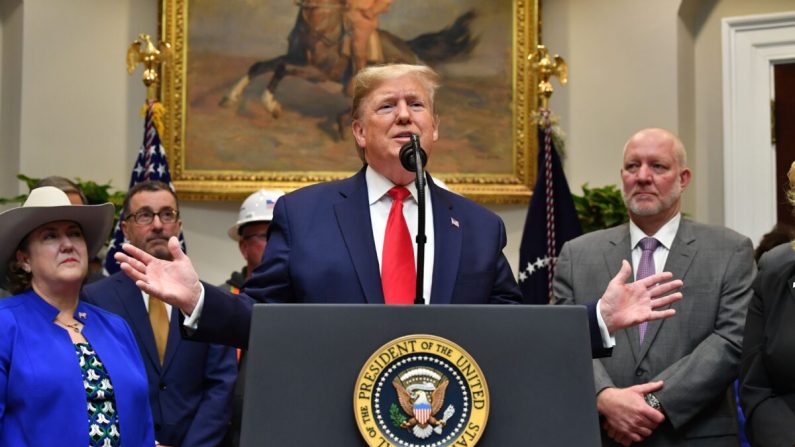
[70, 373]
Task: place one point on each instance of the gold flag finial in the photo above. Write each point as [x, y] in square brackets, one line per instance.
[546, 67]
[143, 51]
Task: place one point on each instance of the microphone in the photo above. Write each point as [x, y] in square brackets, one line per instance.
[407, 154]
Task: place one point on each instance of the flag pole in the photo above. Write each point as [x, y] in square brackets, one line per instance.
[547, 66]
[143, 51]
[543, 208]
[151, 163]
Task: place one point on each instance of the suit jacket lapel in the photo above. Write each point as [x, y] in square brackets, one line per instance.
[683, 250]
[619, 249]
[133, 302]
[447, 247]
[353, 217]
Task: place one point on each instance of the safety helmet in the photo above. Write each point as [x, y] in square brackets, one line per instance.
[257, 207]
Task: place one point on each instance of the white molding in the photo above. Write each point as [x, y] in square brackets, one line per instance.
[751, 46]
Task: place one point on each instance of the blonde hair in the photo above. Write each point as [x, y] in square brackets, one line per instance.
[370, 78]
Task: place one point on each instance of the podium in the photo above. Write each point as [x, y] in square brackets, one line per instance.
[304, 361]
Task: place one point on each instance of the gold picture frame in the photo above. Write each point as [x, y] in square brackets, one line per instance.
[203, 170]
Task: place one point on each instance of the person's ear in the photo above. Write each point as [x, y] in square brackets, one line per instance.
[684, 177]
[358, 133]
[23, 261]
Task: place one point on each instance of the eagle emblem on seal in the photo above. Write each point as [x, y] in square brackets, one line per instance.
[421, 392]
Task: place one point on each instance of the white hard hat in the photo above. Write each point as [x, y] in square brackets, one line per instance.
[257, 207]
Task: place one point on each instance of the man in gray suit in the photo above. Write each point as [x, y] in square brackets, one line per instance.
[667, 383]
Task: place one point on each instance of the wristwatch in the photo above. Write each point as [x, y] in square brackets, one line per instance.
[652, 401]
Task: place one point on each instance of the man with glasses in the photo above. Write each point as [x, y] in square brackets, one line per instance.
[190, 383]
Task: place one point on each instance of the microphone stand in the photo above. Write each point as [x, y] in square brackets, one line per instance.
[419, 182]
[413, 158]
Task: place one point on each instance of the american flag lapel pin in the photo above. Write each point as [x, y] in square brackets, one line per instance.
[454, 222]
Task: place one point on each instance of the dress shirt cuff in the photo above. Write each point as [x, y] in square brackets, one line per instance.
[608, 341]
[192, 321]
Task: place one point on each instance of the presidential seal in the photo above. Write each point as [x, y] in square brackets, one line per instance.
[421, 391]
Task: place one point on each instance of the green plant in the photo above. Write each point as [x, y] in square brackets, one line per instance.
[600, 208]
[95, 193]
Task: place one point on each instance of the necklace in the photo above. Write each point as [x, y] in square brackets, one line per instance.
[75, 327]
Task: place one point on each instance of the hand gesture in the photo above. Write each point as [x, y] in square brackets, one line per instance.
[175, 282]
[627, 304]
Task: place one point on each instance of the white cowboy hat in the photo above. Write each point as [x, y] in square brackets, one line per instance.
[50, 204]
[257, 207]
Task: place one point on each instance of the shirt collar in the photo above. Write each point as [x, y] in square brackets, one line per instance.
[665, 234]
[378, 186]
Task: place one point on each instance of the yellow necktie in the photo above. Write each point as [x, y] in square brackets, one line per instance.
[159, 320]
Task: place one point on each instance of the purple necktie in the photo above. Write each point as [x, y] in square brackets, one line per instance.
[646, 268]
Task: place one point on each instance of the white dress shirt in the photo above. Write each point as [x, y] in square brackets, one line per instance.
[381, 203]
[665, 235]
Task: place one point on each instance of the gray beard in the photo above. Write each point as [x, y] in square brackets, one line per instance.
[664, 204]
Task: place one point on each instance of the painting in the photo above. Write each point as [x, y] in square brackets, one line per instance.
[256, 94]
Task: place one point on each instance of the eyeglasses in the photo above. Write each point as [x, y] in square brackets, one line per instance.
[145, 216]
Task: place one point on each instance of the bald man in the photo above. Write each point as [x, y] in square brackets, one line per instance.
[669, 382]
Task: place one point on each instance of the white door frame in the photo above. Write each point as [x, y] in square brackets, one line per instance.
[751, 46]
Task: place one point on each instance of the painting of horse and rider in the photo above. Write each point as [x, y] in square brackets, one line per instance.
[268, 81]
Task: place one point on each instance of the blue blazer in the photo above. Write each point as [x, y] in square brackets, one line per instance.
[42, 399]
[321, 250]
[190, 394]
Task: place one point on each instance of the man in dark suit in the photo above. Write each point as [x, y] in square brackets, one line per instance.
[332, 242]
[667, 383]
[190, 382]
[767, 373]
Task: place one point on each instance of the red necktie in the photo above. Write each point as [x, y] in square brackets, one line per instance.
[398, 275]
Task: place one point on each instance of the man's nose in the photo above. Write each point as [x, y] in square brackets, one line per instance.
[156, 222]
[644, 173]
[403, 112]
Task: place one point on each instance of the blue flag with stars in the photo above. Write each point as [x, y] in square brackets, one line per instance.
[551, 221]
[151, 164]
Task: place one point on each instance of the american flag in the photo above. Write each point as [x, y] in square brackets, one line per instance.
[150, 165]
[551, 221]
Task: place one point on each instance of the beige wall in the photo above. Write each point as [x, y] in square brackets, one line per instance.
[622, 77]
[68, 107]
[10, 95]
[636, 64]
[708, 109]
